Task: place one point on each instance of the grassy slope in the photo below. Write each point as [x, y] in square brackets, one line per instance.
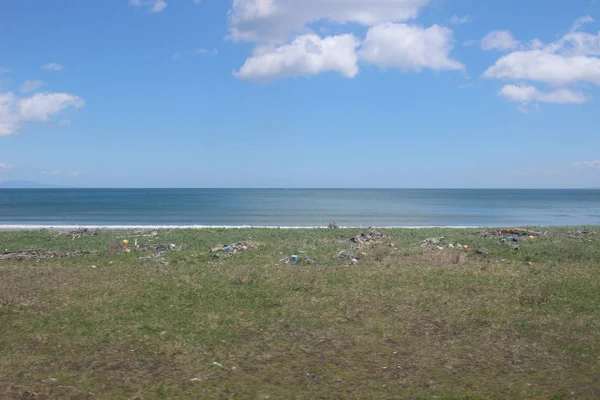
[413, 323]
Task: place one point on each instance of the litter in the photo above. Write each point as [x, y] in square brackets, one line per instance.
[39, 254]
[354, 261]
[582, 233]
[432, 241]
[294, 258]
[231, 249]
[77, 233]
[512, 232]
[158, 258]
[218, 364]
[370, 237]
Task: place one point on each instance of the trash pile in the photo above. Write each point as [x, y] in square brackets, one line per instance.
[433, 242]
[295, 259]
[39, 254]
[158, 257]
[77, 233]
[584, 232]
[368, 238]
[159, 247]
[229, 250]
[440, 243]
[514, 232]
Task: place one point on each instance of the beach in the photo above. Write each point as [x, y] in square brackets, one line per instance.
[300, 313]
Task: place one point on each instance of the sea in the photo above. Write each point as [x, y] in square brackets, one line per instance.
[140, 208]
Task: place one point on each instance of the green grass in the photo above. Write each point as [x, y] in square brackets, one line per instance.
[406, 322]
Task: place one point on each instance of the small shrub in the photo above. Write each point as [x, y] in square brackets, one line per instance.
[333, 225]
[381, 253]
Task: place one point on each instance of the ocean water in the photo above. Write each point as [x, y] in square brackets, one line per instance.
[34, 208]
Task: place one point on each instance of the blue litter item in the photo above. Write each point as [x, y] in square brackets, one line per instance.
[161, 247]
[227, 249]
[512, 239]
[294, 258]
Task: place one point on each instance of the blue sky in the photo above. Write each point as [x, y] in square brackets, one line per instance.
[290, 93]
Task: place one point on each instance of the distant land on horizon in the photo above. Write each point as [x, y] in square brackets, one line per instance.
[28, 185]
[24, 184]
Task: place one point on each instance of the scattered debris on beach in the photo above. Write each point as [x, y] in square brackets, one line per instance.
[512, 232]
[581, 233]
[371, 237]
[231, 249]
[295, 259]
[158, 258]
[433, 242]
[150, 234]
[77, 233]
[159, 247]
[34, 254]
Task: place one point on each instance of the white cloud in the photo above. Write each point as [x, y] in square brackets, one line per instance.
[571, 59]
[499, 40]
[527, 108]
[306, 55]
[5, 167]
[31, 86]
[74, 173]
[154, 6]
[409, 48]
[65, 122]
[456, 20]
[41, 107]
[586, 164]
[544, 66]
[159, 5]
[203, 51]
[176, 55]
[276, 20]
[580, 22]
[4, 70]
[526, 94]
[52, 67]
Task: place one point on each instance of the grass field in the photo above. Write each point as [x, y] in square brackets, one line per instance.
[405, 322]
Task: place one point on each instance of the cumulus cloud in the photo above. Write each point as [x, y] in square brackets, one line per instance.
[4, 70]
[41, 107]
[390, 41]
[154, 6]
[409, 48]
[586, 164]
[52, 67]
[499, 40]
[570, 59]
[31, 86]
[306, 55]
[6, 167]
[547, 67]
[526, 94]
[176, 55]
[276, 20]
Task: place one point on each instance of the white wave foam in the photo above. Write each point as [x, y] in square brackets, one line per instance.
[128, 227]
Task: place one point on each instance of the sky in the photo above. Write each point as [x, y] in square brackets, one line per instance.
[301, 93]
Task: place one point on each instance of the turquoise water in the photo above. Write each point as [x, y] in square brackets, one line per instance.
[279, 207]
